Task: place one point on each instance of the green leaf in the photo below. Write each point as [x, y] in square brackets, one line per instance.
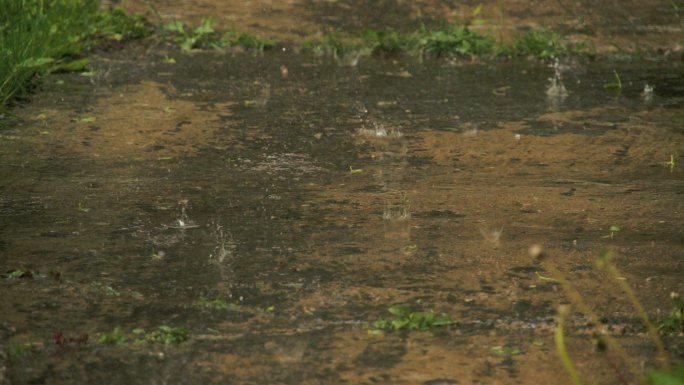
[188, 44]
[661, 377]
[400, 311]
[15, 274]
[111, 292]
[35, 62]
[115, 338]
[85, 119]
[206, 28]
[505, 351]
[76, 65]
[400, 323]
[174, 26]
[477, 11]
[443, 320]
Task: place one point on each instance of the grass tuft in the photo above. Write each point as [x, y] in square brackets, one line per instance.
[41, 36]
[405, 319]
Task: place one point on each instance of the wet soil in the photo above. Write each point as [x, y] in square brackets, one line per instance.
[609, 26]
[311, 203]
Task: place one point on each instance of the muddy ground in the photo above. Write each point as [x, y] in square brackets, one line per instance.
[277, 217]
[610, 26]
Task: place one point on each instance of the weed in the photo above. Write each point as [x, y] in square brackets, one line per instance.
[667, 377]
[114, 338]
[673, 323]
[215, 304]
[205, 37]
[671, 163]
[202, 36]
[613, 230]
[505, 351]
[247, 41]
[410, 248]
[452, 40]
[167, 335]
[157, 255]
[115, 24]
[615, 85]
[541, 43]
[111, 292]
[164, 334]
[383, 42]
[18, 351]
[406, 319]
[329, 45]
[82, 207]
[18, 273]
[353, 170]
[84, 119]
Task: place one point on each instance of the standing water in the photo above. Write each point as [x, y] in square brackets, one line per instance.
[264, 222]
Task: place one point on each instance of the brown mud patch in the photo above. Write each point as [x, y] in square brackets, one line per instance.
[141, 121]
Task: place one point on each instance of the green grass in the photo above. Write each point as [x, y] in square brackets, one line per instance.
[541, 43]
[164, 334]
[215, 304]
[167, 335]
[330, 45]
[113, 338]
[18, 351]
[667, 377]
[40, 36]
[115, 24]
[673, 323]
[204, 36]
[36, 35]
[449, 40]
[405, 319]
[383, 42]
[454, 39]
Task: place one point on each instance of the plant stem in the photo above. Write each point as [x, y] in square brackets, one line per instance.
[577, 300]
[560, 346]
[652, 330]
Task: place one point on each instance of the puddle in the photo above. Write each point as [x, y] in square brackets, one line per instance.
[304, 207]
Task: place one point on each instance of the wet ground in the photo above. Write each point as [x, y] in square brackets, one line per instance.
[276, 216]
[610, 26]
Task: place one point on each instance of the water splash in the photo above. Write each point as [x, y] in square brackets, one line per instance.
[647, 94]
[183, 222]
[397, 211]
[223, 250]
[380, 131]
[223, 258]
[555, 91]
[492, 236]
